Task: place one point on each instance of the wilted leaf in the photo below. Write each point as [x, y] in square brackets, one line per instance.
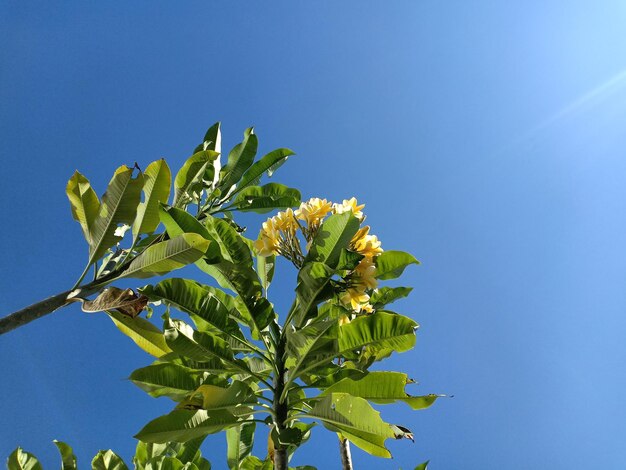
[125, 301]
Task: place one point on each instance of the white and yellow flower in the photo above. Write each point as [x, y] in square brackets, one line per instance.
[313, 211]
[349, 205]
[365, 274]
[354, 297]
[366, 244]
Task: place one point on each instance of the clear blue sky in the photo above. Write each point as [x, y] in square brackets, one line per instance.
[485, 138]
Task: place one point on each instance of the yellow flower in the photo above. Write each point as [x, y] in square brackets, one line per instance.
[286, 222]
[349, 205]
[367, 308]
[365, 274]
[365, 244]
[354, 298]
[266, 246]
[268, 242]
[344, 320]
[313, 211]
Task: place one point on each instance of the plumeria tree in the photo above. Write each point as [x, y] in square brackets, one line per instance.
[232, 362]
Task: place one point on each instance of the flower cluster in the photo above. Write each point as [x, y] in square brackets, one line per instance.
[279, 236]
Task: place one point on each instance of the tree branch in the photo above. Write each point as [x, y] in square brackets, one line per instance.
[346, 456]
[42, 308]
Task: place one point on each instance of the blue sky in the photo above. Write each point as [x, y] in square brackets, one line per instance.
[484, 137]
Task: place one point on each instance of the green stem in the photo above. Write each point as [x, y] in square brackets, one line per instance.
[281, 408]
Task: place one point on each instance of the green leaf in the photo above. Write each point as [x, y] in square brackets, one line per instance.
[268, 163]
[263, 199]
[214, 397]
[190, 178]
[167, 256]
[190, 452]
[307, 342]
[238, 276]
[168, 379]
[184, 425]
[381, 387]
[178, 222]
[22, 460]
[240, 159]
[422, 466]
[332, 237]
[391, 264]
[147, 336]
[348, 260]
[386, 295]
[252, 462]
[164, 462]
[156, 190]
[199, 346]
[107, 460]
[198, 300]
[239, 440]
[119, 206]
[233, 247]
[356, 420]
[265, 267]
[213, 138]
[67, 455]
[312, 280]
[378, 331]
[84, 203]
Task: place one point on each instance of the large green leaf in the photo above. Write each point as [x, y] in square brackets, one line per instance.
[168, 379]
[233, 247]
[378, 331]
[167, 256]
[332, 237]
[312, 280]
[200, 346]
[164, 462]
[213, 137]
[84, 203]
[189, 180]
[108, 460]
[391, 264]
[238, 276]
[178, 222]
[119, 206]
[184, 425]
[381, 387]
[263, 199]
[147, 336]
[307, 342]
[216, 397]
[356, 420]
[268, 163]
[198, 300]
[22, 460]
[240, 159]
[239, 441]
[156, 190]
[68, 459]
[265, 267]
[382, 330]
[189, 452]
[386, 295]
